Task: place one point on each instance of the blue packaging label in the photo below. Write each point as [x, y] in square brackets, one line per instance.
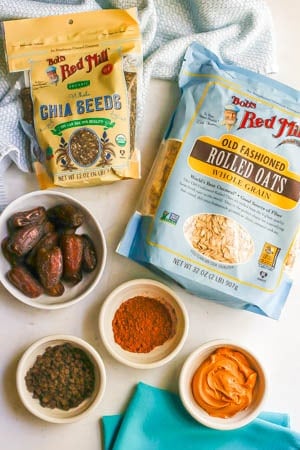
[220, 211]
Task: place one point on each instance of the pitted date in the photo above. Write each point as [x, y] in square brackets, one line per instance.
[66, 230]
[48, 227]
[72, 251]
[48, 241]
[66, 216]
[56, 291]
[49, 266]
[11, 257]
[30, 217]
[23, 280]
[25, 238]
[89, 257]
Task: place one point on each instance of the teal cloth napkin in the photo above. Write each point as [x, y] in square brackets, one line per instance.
[156, 420]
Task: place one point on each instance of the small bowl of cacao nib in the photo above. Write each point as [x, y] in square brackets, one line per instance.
[53, 250]
[61, 378]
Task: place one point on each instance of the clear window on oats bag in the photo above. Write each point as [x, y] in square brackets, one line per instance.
[82, 76]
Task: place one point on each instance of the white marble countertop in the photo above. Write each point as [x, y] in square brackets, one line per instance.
[276, 342]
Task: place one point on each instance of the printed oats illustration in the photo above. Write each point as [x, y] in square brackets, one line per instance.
[219, 238]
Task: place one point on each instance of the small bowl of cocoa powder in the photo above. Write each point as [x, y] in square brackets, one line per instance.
[61, 378]
[143, 323]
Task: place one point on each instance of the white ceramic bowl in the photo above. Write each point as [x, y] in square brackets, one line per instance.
[188, 370]
[57, 415]
[91, 227]
[147, 288]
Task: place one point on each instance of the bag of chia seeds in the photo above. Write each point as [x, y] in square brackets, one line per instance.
[84, 71]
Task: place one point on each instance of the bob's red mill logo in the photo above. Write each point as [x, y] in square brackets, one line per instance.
[86, 63]
[281, 126]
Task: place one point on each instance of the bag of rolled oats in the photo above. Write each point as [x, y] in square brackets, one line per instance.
[84, 72]
[220, 209]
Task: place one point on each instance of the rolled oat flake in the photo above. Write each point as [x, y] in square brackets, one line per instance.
[84, 75]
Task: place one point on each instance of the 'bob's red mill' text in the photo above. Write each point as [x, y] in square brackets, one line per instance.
[251, 120]
[287, 128]
[88, 62]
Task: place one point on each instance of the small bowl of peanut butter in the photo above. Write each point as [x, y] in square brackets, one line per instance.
[223, 385]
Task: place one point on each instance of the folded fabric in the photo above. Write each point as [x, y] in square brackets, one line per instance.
[156, 420]
[239, 32]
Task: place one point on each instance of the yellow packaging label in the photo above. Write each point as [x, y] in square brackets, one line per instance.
[84, 72]
[269, 255]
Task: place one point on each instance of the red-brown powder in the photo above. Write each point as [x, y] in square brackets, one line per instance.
[142, 323]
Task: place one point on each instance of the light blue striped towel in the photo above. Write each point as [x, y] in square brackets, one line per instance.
[239, 31]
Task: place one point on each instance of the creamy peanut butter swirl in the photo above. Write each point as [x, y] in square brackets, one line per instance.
[224, 383]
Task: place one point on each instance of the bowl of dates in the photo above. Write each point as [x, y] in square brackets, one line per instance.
[53, 250]
[61, 378]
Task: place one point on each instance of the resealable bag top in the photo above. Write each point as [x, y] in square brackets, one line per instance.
[84, 75]
[220, 209]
